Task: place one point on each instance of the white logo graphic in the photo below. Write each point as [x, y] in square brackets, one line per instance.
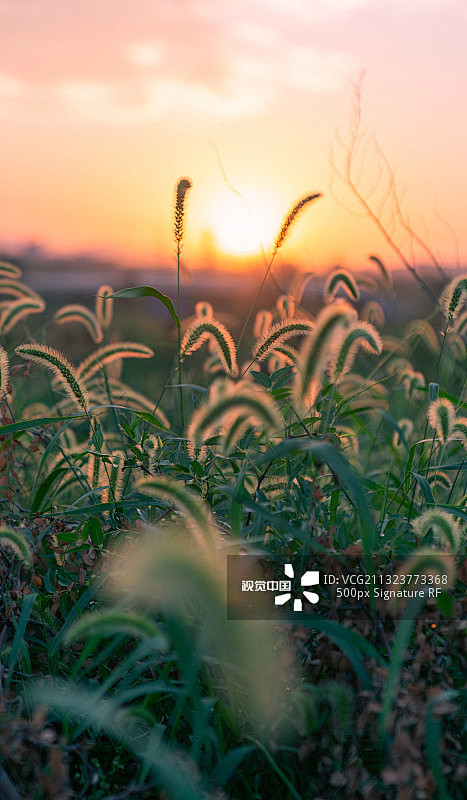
[310, 578]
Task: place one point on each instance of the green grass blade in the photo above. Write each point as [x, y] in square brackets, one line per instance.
[26, 610]
[148, 291]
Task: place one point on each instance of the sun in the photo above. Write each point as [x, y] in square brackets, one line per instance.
[235, 227]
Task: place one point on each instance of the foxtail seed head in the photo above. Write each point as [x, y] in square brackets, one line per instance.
[422, 329]
[279, 334]
[19, 309]
[341, 278]
[114, 474]
[214, 331]
[319, 349]
[60, 366]
[4, 373]
[111, 352]
[8, 270]
[360, 334]
[263, 322]
[15, 288]
[104, 306]
[182, 187]
[453, 298]
[372, 312]
[290, 219]
[79, 313]
[445, 528]
[233, 407]
[442, 417]
[286, 306]
[204, 311]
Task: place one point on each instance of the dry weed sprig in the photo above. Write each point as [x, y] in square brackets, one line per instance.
[4, 373]
[340, 278]
[361, 334]
[78, 313]
[442, 417]
[201, 331]
[111, 352]
[290, 219]
[104, 306]
[61, 367]
[8, 270]
[19, 309]
[277, 335]
[318, 350]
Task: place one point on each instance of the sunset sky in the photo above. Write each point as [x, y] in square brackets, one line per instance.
[104, 105]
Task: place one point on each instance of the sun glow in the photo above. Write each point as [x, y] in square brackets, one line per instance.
[242, 225]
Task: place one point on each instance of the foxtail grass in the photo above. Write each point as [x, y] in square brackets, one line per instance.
[4, 373]
[115, 477]
[445, 529]
[453, 298]
[287, 224]
[228, 402]
[318, 350]
[360, 335]
[65, 372]
[78, 313]
[286, 306]
[8, 270]
[263, 322]
[291, 217]
[18, 542]
[372, 312]
[195, 513]
[18, 310]
[441, 416]
[420, 328]
[104, 306]
[204, 311]
[279, 334]
[385, 274]
[201, 331]
[112, 352]
[341, 278]
[15, 288]
[183, 186]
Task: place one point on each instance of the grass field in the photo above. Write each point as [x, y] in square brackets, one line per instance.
[140, 448]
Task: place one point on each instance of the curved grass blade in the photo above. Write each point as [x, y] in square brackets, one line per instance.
[148, 291]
